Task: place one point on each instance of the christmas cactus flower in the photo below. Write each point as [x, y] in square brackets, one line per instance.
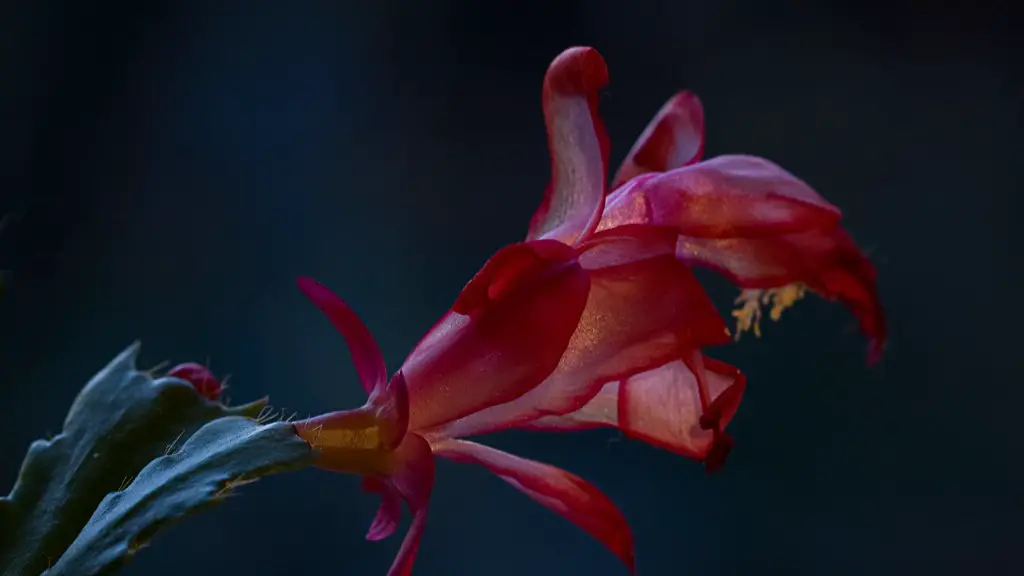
[596, 318]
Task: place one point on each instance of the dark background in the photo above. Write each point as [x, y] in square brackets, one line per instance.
[179, 163]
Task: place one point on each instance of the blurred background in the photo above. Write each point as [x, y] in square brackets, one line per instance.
[177, 164]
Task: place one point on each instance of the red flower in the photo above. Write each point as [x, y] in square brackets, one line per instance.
[522, 307]
[596, 319]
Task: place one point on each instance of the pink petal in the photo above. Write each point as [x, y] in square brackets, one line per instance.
[638, 316]
[674, 138]
[505, 334]
[414, 480]
[366, 355]
[738, 196]
[663, 407]
[567, 494]
[578, 145]
[390, 512]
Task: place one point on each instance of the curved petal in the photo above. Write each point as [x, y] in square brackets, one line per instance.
[578, 145]
[390, 512]
[366, 356]
[760, 226]
[506, 333]
[639, 314]
[413, 478]
[567, 494]
[826, 261]
[664, 407]
[734, 196]
[673, 139]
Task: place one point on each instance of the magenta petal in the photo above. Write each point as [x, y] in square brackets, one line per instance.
[734, 196]
[578, 145]
[390, 511]
[366, 356]
[759, 225]
[674, 138]
[567, 494]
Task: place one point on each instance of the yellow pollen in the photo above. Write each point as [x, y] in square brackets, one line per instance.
[749, 303]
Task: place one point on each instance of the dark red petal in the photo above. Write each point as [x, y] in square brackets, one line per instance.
[390, 512]
[733, 196]
[366, 356]
[508, 331]
[662, 407]
[199, 377]
[674, 138]
[567, 494]
[638, 316]
[578, 145]
[413, 478]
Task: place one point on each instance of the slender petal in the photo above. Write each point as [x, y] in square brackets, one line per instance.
[505, 334]
[641, 311]
[734, 196]
[578, 144]
[663, 407]
[569, 495]
[366, 356]
[673, 139]
[390, 512]
[414, 480]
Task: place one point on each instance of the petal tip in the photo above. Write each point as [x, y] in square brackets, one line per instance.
[306, 282]
[577, 70]
[876, 348]
[720, 449]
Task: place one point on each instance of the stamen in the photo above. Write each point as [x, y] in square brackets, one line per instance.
[748, 314]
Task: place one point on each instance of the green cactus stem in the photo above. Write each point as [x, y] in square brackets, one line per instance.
[120, 422]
